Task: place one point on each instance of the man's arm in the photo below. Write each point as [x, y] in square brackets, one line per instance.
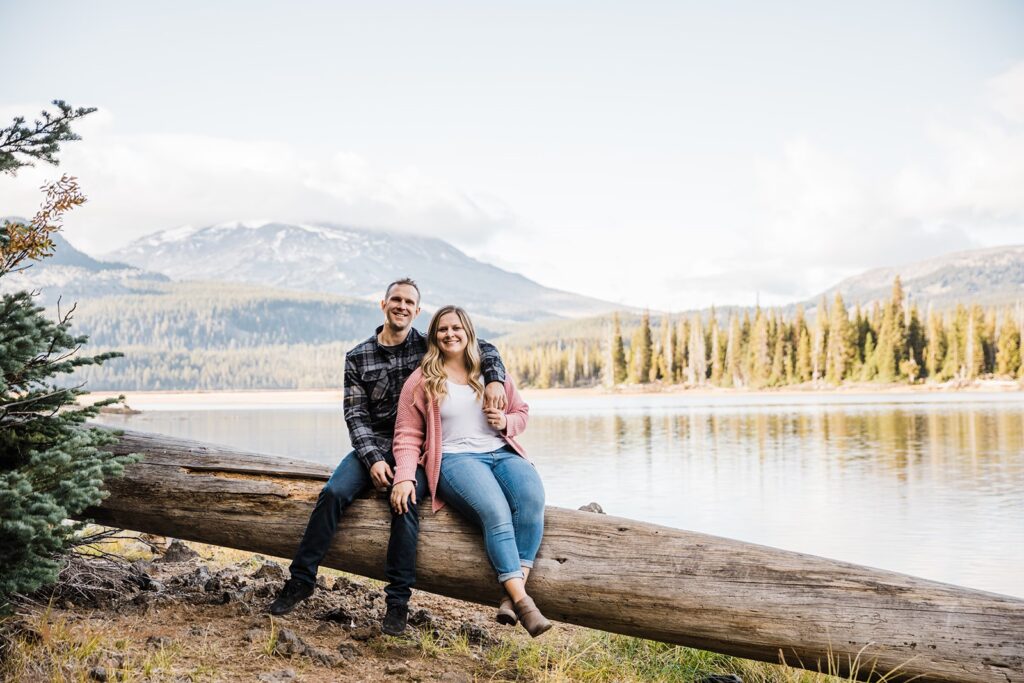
[357, 417]
[491, 364]
[494, 376]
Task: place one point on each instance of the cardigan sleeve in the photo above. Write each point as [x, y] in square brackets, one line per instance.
[410, 432]
[518, 411]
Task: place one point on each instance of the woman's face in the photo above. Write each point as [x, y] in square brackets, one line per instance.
[451, 335]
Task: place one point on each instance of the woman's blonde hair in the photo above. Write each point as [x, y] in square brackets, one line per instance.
[434, 374]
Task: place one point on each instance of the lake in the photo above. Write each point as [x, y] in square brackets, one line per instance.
[926, 484]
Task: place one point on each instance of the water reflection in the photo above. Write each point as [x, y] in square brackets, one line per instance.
[932, 489]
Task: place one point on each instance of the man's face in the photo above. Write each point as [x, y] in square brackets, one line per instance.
[401, 307]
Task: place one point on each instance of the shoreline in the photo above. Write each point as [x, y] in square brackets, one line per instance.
[306, 397]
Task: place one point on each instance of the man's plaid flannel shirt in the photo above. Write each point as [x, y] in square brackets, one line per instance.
[374, 375]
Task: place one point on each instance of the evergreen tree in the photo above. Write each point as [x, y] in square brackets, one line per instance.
[733, 370]
[803, 369]
[696, 353]
[618, 353]
[51, 466]
[839, 352]
[935, 345]
[819, 341]
[1008, 351]
[758, 351]
[717, 352]
[642, 350]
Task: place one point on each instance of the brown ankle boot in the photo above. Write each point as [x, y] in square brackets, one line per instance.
[533, 621]
[506, 614]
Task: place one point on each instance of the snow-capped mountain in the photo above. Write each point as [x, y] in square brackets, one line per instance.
[71, 275]
[990, 276]
[336, 259]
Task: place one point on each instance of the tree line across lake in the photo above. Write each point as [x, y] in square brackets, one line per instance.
[764, 348]
[890, 342]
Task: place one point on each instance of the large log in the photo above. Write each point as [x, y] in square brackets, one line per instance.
[604, 572]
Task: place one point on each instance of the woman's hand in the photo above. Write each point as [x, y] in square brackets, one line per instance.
[496, 418]
[401, 493]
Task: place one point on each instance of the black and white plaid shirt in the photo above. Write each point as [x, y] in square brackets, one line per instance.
[374, 375]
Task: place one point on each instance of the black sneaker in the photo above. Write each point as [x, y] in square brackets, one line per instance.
[292, 593]
[395, 620]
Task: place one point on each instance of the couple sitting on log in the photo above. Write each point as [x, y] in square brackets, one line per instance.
[450, 433]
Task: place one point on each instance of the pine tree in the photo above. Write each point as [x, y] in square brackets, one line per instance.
[758, 351]
[839, 352]
[696, 353]
[819, 341]
[618, 353]
[51, 466]
[935, 346]
[717, 352]
[733, 371]
[1008, 351]
[642, 350]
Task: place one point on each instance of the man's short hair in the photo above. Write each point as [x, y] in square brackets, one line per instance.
[403, 281]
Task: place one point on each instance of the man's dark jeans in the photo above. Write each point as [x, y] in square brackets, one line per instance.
[350, 479]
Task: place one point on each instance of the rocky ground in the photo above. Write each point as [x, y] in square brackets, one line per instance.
[186, 616]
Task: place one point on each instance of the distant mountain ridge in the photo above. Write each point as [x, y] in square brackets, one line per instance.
[992, 276]
[341, 260]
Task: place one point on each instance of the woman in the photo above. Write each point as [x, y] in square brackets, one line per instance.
[471, 458]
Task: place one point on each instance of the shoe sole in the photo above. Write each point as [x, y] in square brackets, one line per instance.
[507, 618]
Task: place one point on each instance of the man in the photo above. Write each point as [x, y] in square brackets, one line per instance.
[375, 371]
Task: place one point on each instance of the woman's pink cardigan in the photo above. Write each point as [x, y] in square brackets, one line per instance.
[418, 431]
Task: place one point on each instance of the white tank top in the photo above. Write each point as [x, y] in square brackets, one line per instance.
[464, 427]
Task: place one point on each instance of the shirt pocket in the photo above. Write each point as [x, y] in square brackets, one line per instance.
[376, 383]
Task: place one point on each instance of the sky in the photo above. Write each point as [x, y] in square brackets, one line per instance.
[666, 155]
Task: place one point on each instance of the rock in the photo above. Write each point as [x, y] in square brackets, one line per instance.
[475, 633]
[322, 583]
[593, 507]
[98, 673]
[365, 633]
[422, 617]
[324, 628]
[212, 585]
[253, 635]
[153, 585]
[323, 656]
[396, 669]
[281, 676]
[339, 615]
[456, 677]
[178, 552]
[198, 577]
[288, 643]
[348, 650]
[159, 642]
[270, 571]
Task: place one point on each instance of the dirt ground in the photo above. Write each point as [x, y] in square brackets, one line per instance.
[191, 617]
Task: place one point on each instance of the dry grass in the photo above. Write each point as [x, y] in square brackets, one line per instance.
[62, 640]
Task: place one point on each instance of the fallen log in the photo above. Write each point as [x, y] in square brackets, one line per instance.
[600, 571]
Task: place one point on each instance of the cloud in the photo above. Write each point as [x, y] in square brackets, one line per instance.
[137, 184]
[823, 216]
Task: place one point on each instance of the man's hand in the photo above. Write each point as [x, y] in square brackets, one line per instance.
[401, 494]
[494, 396]
[496, 418]
[381, 475]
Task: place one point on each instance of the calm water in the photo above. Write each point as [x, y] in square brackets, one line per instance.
[928, 485]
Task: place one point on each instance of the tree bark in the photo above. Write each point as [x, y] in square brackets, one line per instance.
[604, 572]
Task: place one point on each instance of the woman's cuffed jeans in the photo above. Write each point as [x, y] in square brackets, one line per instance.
[502, 493]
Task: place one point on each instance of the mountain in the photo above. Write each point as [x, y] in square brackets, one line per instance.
[334, 259]
[991, 277]
[71, 275]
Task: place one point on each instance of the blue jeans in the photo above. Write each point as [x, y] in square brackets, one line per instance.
[501, 493]
[349, 480]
